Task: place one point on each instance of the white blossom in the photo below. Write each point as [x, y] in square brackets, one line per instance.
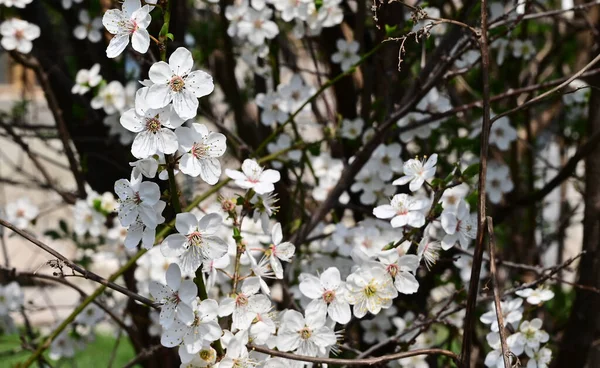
[305, 335]
[176, 82]
[196, 240]
[536, 296]
[346, 54]
[403, 210]
[176, 297]
[328, 294]
[87, 79]
[137, 199]
[460, 225]
[200, 150]
[253, 176]
[89, 28]
[18, 35]
[131, 21]
[21, 212]
[370, 289]
[417, 172]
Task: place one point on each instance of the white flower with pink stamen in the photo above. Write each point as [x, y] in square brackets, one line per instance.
[196, 241]
[253, 176]
[131, 21]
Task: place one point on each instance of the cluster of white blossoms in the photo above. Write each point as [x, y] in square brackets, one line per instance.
[217, 291]
[529, 337]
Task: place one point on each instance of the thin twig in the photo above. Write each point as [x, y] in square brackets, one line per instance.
[495, 287]
[484, 145]
[87, 274]
[360, 362]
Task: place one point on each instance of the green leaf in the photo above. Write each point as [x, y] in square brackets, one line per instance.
[471, 171]
[164, 31]
[389, 30]
[170, 36]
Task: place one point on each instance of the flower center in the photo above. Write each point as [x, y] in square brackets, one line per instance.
[19, 35]
[329, 296]
[206, 355]
[305, 333]
[20, 213]
[370, 290]
[241, 300]
[153, 125]
[177, 83]
[392, 270]
[199, 150]
[195, 239]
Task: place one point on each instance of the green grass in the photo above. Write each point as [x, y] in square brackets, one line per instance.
[95, 354]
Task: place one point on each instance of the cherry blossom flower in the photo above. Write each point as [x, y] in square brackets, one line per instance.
[21, 212]
[153, 130]
[370, 289]
[196, 240]
[540, 358]
[408, 132]
[417, 172]
[176, 297]
[204, 328]
[536, 296]
[89, 28]
[237, 353]
[176, 82]
[257, 26]
[63, 346]
[137, 199]
[305, 335]
[502, 133]
[428, 251]
[328, 294]
[460, 225]
[264, 208]
[511, 309]
[18, 35]
[132, 20]
[138, 231]
[253, 176]
[402, 269]
[16, 3]
[245, 305]
[386, 160]
[494, 358]
[87, 219]
[111, 98]
[87, 79]
[523, 49]
[346, 54]
[279, 251]
[531, 335]
[403, 210]
[292, 9]
[351, 129]
[452, 197]
[200, 149]
[206, 357]
[498, 181]
[274, 108]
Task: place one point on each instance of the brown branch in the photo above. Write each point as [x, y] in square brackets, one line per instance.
[87, 274]
[353, 362]
[63, 132]
[550, 92]
[67, 197]
[496, 290]
[142, 356]
[12, 274]
[469, 320]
